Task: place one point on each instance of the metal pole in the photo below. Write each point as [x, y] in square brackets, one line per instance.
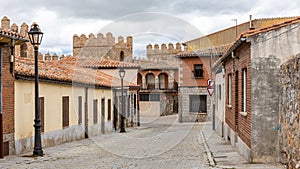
[1, 120]
[211, 106]
[37, 122]
[122, 108]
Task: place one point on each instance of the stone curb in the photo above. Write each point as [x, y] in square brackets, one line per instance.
[208, 152]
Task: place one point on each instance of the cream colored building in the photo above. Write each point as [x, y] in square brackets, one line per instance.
[75, 102]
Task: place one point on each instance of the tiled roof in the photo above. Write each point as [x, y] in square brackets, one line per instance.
[217, 50]
[272, 27]
[12, 34]
[96, 62]
[253, 32]
[57, 72]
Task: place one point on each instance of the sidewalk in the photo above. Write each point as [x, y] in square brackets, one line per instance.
[222, 155]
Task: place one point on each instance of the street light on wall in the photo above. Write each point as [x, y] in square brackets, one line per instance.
[122, 75]
[35, 37]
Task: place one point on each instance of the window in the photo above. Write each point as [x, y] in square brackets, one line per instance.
[219, 92]
[109, 109]
[42, 112]
[198, 71]
[150, 78]
[79, 109]
[121, 56]
[198, 103]
[65, 111]
[102, 115]
[95, 110]
[149, 97]
[229, 89]
[244, 90]
[163, 81]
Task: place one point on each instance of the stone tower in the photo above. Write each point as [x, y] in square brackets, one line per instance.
[102, 47]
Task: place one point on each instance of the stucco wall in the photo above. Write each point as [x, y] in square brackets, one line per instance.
[150, 108]
[268, 51]
[53, 133]
[219, 97]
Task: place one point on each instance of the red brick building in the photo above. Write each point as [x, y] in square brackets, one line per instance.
[194, 101]
[7, 41]
[252, 87]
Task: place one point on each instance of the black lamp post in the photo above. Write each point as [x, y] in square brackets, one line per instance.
[122, 74]
[35, 37]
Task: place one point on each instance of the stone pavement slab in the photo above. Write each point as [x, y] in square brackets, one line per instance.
[226, 156]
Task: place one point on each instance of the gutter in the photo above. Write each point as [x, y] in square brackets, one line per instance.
[237, 43]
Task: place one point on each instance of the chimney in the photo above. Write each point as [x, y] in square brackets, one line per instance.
[251, 23]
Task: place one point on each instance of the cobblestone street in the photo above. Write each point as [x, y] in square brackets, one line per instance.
[158, 143]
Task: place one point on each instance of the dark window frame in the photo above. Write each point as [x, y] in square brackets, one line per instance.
[108, 109]
[149, 97]
[95, 110]
[198, 103]
[80, 109]
[42, 112]
[198, 71]
[65, 111]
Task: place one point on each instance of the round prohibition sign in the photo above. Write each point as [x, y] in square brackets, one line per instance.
[210, 82]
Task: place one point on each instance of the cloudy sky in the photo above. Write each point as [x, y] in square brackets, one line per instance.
[153, 21]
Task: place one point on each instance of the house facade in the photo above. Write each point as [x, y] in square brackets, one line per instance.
[252, 88]
[193, 98]
[75, 102]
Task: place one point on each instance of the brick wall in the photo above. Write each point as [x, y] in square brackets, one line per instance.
[234, 67]
[8, 99]
[186, 71]
[289, 114]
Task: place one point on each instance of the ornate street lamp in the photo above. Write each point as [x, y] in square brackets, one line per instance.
[35, 37]
[122, 74]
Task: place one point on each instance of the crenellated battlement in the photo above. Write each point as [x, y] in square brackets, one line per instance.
[25, 49]
[102, 46]
[162, 52]
[47, 56]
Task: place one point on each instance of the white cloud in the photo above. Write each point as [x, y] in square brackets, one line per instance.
[179, 20]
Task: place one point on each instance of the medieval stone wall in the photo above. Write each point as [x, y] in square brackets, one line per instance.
[154, 53]
[25, 49]
[290, 113]
[102, 47]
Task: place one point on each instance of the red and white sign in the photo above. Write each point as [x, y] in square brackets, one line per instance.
[210, 82]
[210, 86]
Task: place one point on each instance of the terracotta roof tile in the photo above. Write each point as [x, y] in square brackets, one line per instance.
[55, 71]
[12, 34]
[255, 32]
[270, 28]
[96, 62]
[217, 50]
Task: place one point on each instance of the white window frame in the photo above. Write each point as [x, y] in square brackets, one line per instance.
[245, 90]
[229, 91]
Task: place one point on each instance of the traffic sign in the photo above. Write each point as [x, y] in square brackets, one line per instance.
[210, 86]
[210, 82]
[210, 91]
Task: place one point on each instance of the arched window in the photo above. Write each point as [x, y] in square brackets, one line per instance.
[121, 56]
[163, 81]
[150, 81]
